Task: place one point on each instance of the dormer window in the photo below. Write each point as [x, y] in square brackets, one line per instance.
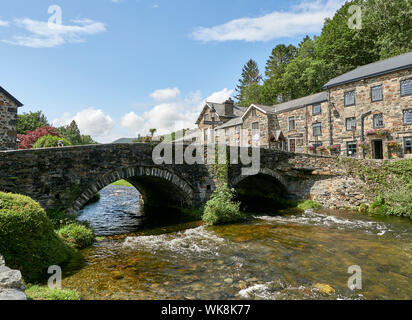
[206, 117]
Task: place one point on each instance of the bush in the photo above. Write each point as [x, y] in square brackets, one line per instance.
[221, 208]
[79, 236]
[44, 293]
[309, 204]
[50, 141]
[377, 206]
[397, 202]
[27, 239]
[363, 208]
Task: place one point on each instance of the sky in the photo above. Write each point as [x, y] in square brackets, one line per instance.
[121, 67]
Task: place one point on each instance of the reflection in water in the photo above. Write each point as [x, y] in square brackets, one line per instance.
[280, 257]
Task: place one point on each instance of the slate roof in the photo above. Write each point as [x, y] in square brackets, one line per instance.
[219, 107]
[8, 95]
[232, 122]
[378, 68]
[301, 102]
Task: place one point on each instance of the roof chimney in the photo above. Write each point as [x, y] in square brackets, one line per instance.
[228, 107]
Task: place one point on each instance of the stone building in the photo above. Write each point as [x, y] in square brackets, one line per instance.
[366, 112]
[8, 120]
[372, 109]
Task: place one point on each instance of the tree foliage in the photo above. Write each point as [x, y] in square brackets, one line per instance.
[50, 141]
[293, 72]
[250, 77]
[72, 133]
[31, 121]
[30, 138]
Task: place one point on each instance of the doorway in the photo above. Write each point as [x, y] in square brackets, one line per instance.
[292, 145]
[377, 149]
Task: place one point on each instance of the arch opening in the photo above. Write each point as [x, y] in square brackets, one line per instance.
[265, 192]
[159, 188]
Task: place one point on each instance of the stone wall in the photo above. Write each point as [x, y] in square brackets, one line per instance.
[8, 123]
[11, 287]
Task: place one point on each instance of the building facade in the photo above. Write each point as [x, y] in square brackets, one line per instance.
[8, 120]
[365, 113]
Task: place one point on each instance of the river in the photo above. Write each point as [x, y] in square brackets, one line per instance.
[288, 256]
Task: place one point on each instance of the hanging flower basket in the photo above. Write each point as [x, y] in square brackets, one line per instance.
[364, 145]
[378, 132]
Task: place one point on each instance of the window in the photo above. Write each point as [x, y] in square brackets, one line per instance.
[253, 112]
[351, 149]
[406, 87]
[407, 143]
[292, 123]
[317, 129]
[376, 93]
[316, 109]
[227, 131]
[217, 132]
[407, 116]
[206, 117]
[378, 121]
[350, 98]
[255, 126]
[237, 129]
[350, 124]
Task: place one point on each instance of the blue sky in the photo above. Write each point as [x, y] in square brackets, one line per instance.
[121, 67]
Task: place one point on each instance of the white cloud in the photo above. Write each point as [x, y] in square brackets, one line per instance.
[4, 23]
[43, 35]
[90, 121]
[165, 94]
[171, 116]
[306, 17]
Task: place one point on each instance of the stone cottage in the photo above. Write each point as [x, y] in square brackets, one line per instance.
[366, 112]
[8, 120]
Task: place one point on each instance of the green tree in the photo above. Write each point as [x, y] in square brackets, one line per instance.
[72, 133]
[152, 131]
[31, 121]
[250, 75]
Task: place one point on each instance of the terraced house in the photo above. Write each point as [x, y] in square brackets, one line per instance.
[365, 113]
[8, 120]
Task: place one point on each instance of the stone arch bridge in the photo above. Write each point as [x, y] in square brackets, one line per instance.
[68, 177]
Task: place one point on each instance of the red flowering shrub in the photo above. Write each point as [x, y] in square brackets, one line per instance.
[29, 139]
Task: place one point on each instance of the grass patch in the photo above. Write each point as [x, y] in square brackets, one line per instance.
[122, 183]
[28, 241]
[77, 235]
[309, 204]
[35, 292]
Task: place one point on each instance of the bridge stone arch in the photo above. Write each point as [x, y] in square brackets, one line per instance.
[183, 193]
[265, 172]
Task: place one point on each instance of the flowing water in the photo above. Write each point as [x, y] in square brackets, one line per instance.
[271, 257]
